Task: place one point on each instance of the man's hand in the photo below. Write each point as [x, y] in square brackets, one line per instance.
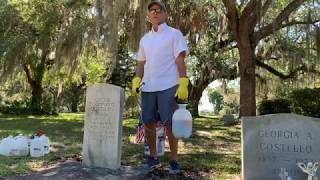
[182, 91]
[136, 81]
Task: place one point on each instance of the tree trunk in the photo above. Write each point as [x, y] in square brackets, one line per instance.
[77, 91]
[75, 102]
[247, 78]
[35, 82]
[242, 28]
[195, 96]
[193, 105]
[36, 98]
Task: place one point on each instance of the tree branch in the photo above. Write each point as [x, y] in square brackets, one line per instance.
[222, 44]
[261, 10]
[246, 16]
[28, 74]
[232, 15]
[265, 7]
[299, 22]
[291, 74]
[277, 22]
[271, 70]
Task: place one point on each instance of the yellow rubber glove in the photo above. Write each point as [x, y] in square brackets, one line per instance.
[136, 81]
[182, 91]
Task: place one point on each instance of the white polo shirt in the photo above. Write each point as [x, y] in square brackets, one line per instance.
[160, 50]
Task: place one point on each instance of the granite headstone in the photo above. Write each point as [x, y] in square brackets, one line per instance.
[103, 126]
[276, 141]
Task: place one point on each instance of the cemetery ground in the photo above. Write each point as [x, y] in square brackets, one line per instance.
[213, 151]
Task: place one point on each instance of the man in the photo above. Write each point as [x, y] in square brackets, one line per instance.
[161, 71]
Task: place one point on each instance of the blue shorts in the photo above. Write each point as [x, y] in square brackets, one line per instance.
[157, 103]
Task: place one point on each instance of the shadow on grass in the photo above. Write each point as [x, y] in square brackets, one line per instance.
[200, 166]
[210, 161]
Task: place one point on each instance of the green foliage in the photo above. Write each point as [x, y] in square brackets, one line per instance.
[301, 101]
[292, 51]
[231, 107]
[274, 106]
[306, 101]
[72, 96]
[67, 91]
[14, 96]
[217, 100]
[76, 3]
[95, 72]
[66, 31]
[132, 106]
[49, 103]
[36, 35]
[29, 40]
[282, 90]
[15, 107]
[23, 106]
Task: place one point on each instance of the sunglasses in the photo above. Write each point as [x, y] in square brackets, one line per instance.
[155, 11]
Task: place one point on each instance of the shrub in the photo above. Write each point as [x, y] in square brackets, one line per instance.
[217, 100]
[15, 107]
[274, 106]
[306, 102]
[232, 107]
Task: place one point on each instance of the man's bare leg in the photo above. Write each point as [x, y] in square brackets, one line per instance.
[173, 142]
[150, 132]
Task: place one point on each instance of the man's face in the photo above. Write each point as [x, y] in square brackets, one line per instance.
[157, 15]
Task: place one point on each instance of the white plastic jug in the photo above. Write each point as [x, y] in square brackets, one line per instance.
[19, 146]
[5, 145]
[36, 147]
[45, 143]
[160, 142]
[182, 122]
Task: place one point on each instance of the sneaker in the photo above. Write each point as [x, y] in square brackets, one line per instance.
[174, 167]
[152, 163]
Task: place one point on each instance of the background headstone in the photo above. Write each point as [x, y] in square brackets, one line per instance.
[103, 126]
[228, 120]
[272, 142]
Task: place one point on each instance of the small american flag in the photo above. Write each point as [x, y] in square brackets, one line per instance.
[139, 134]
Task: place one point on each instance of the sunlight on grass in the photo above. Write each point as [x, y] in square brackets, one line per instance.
[213, 149]
[35, 165]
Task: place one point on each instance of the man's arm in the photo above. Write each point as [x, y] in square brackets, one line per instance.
[140, 68]
[181, 64]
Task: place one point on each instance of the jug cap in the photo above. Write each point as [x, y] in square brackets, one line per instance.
[182, 104]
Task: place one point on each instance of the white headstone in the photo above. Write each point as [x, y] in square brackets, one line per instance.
[276, 141]
[103, 126]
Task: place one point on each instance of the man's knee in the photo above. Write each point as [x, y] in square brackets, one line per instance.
[150, 125]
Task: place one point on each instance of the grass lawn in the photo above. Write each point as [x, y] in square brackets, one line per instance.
[213, 149]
